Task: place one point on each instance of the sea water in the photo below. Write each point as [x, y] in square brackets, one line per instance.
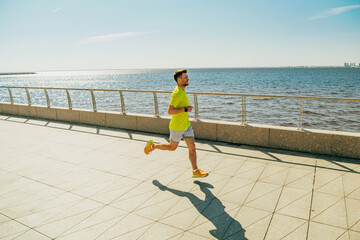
[305, 82]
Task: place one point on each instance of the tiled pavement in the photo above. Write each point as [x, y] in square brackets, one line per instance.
[64, 181]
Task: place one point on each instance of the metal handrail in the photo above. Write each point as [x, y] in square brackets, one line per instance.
[197, 93]
[243, 98]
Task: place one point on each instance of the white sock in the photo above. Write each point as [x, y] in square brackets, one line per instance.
[195, 170]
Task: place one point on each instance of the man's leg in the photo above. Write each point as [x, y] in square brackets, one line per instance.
[190, 142]
[167, 146]
[174, 135]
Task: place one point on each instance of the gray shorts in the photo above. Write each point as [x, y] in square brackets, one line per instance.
[176, 136]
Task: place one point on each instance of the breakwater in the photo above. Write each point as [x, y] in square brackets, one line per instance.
[17, 73]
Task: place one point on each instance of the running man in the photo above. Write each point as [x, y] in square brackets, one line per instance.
[180, 126]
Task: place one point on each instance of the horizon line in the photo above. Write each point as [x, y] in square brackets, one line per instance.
[148, 68]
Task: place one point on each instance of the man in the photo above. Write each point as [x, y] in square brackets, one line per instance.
[180, 126]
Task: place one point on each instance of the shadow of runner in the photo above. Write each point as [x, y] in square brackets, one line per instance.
[207, 208]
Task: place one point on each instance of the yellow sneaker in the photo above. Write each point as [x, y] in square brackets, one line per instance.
[199, 173]
[148, 148]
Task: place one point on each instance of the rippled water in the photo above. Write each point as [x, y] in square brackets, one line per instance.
[319, 82]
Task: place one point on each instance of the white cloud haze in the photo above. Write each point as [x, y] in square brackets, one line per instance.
[55, 10]
[333, 12]
[113, 37]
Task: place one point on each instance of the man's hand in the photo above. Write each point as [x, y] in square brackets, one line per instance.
[190, 108]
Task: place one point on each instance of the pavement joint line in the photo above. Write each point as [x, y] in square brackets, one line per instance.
[34, 200]
[49, 185]
[147, 225]
[64, 234]
[132, 212]
[277, 202]
[341, 199]
[153, 223]
[101, 208]
[311, 201]
[117, 223]
[14, 235]
[350, 228]
[252, 182]
[161, 217]
[346, 229]
[207, 206]
[91, 168]
[294, 229]
[139, 207]
[65, 191]
[23, 232]
[266, 164]
[265, 193]
[282, 170]
[261, 166]
[252, 223]
[344, 196]
[292, 203]
[51, 219]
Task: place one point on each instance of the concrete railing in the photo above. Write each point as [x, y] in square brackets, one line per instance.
[297, 139]
[156, 105]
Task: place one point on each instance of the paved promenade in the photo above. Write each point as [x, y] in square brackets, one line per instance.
[65, 181]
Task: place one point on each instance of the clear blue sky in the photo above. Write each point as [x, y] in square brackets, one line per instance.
[40, 35]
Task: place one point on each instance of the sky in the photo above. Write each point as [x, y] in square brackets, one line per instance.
[43, 35]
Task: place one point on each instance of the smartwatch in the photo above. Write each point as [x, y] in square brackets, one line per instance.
[186, 109]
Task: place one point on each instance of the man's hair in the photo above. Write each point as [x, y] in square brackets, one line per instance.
[178, 73]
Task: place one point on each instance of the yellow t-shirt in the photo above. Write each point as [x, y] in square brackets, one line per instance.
[179, 99]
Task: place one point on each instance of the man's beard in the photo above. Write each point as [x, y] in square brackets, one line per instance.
[186, 84]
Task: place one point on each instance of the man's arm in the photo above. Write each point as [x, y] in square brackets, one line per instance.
[172, 110]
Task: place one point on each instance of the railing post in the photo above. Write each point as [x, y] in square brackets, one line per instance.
[93, 101]
[122, 102]
[156, 105]
[28, 96]
[11, 96]
[196, 107]
[69, 99]
[243, 110]
[300, 127]
[47, 98]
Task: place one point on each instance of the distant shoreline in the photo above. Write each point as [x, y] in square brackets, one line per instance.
[17, 73]
[110, 69]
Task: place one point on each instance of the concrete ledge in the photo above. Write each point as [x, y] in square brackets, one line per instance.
[292, 139]
[119, 120]
[8, 108]
[63, 114]
[204, 129]
[92, 118]
[25, 110]
[153, 124]
[341, 144]
[242, 134]
[45, 112]
[346, 145]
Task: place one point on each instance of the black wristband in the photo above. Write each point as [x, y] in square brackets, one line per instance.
[186, 109]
